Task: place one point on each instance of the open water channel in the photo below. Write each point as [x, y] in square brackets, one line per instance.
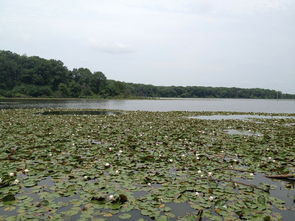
[196, 104]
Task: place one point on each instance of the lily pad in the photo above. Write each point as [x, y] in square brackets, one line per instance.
[125, 216]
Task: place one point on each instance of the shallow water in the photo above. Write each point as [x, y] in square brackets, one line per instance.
[280, 192]
[178, 209]
[241, 132]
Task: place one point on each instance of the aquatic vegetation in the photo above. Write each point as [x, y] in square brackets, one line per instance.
[143, 165]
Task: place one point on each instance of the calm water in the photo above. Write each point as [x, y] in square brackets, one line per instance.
[199, 104]
[240, 117]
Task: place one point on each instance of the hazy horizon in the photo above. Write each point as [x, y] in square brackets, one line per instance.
[233, 43]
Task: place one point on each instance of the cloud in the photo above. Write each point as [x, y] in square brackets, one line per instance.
[26, 37]
[181, 42]
[254, 6]
[210, 6]
[110, 47]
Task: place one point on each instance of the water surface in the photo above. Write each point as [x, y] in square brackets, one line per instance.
[239, 117]
[242, 132]
[84, 112]
[196, 104]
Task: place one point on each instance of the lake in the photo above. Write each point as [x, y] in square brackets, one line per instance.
[194, 104]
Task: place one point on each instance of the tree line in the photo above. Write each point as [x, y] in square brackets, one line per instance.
[24, 76]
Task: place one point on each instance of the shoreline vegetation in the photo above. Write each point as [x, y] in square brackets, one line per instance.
[22, 76]
[140, 165]
[123, 98]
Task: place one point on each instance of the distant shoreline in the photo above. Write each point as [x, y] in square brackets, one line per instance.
[133, 98]
[34, 77]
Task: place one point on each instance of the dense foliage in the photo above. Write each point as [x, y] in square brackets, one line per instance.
[35, 76]
[22, 76]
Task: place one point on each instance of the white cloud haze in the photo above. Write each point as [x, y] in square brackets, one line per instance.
[241, 43]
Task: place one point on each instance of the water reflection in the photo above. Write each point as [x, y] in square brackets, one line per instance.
[197, 104]
[239, 117]
[78, 113]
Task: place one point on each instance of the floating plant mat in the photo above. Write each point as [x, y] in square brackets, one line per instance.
[142, 166]
[240, 117]
[78, 112]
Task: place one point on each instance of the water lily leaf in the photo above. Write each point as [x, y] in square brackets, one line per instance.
[73, 211]
[125, 216]
[261, 200]
[30, 183]
[115, 206]
[43, 203]
[98, 199]
[162, 218]
[156, 159]
[8, 198]
[11, 218]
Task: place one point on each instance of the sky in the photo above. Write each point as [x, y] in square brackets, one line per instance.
[228, 43]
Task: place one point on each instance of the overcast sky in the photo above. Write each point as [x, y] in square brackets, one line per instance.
[232, 43]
